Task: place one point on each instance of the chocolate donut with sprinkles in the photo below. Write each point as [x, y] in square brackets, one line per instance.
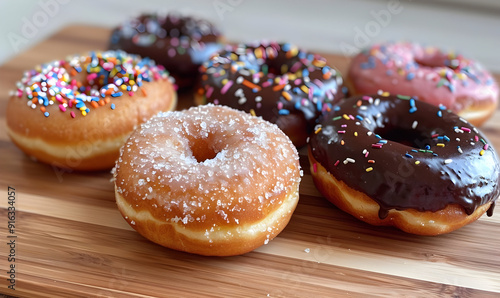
[77, 113]
[394, 160]
[428, 73]
[180, 43]
[280, 82]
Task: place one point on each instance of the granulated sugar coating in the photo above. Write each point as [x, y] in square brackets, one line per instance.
[210, 173]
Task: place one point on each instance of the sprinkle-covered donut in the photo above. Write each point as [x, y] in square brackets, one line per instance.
[393, 160]
[77, 113]
[209, 180]
[280, 82]
[428, 74]
[179, 43]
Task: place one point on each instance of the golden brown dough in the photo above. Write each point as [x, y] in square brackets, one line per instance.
[412, 221]
[210, 180]
[51, 120]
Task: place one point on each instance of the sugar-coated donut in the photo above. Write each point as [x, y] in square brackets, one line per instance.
[427, 73]
[77, 113]
[280, 82]
[392, 160]
[180, 43]
[209, 180]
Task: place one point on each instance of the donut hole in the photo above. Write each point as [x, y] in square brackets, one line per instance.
[202, 149]
[430, 61]
[408, 137]
[89, 84]
[277, 66]
[271, 68]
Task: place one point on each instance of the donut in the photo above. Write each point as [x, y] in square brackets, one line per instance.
[210, 180]
[77, 113]
[180, 43]
[279, 82]
[426, 73]
[396, 161]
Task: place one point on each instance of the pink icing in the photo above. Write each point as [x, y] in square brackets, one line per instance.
[424, 72]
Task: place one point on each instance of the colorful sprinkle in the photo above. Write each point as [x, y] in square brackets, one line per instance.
[53, 82]
[253, 86]
[406, 97]
[307, 85]
[226, 87]
[286, 95]
[349, 160]
[440, 139]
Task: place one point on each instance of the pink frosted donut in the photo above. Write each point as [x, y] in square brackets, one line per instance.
[428, 73]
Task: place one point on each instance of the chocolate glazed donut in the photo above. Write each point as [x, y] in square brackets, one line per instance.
[181, 44]
[279, 82]
[404, 155]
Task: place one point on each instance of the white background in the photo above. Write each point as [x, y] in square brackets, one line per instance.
[469, 27]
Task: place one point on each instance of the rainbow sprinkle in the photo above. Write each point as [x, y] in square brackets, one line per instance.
[174, 34]
[107, 75]
[451, 69]
[304, 83]
[340, 129]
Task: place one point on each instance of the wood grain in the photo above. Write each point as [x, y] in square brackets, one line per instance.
[73, 242]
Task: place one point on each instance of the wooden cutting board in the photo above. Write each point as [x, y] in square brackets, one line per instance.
[72, 241]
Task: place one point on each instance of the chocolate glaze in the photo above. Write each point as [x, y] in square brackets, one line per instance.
[180, 44]
[401, 178]
[279, 71]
